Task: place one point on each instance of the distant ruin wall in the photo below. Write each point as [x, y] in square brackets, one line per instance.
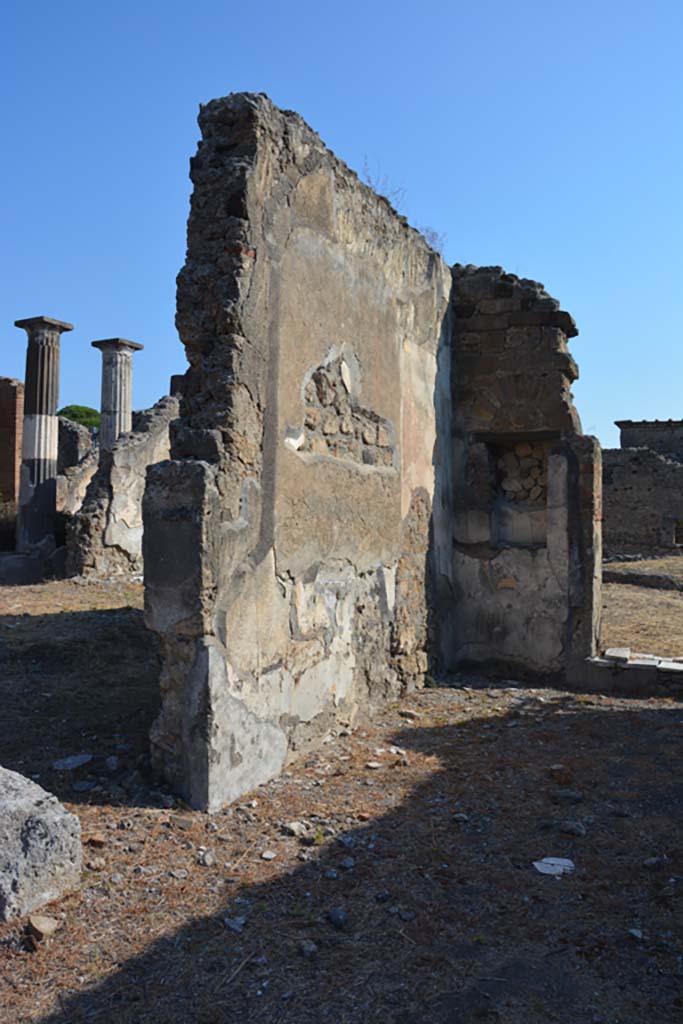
[290, 541]
[526, 564]
[11, 422]
[643, 502]
[663, 436]
[104, 537]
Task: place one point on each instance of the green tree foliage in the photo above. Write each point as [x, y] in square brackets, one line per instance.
[82, 414]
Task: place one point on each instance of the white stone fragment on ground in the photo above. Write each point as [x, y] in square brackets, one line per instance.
[554, 866]
[373, 765]
[669, 666]
[40, 847]
[268, 855]
[618, 653]
[295, 828]
[42, 927]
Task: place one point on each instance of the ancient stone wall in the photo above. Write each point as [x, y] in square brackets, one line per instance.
[74, 443]
[104, 537]
[643, 502]
[77, 460]
[663, 436]
[11, 420]
[291, 541]
[525, 574]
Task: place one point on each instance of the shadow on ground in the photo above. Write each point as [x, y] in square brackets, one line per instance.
[79, 683]
[447, 920]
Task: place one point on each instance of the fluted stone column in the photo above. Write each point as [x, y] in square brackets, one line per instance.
[117, 388]
[38, 481]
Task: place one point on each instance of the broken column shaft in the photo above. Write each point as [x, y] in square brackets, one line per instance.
[38, 483]
[117, 388]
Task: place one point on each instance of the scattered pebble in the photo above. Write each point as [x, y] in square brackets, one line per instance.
[331, 874]
[42, 927]
[573, 828]
[183, 822]
[373, 765]
[338, 918]
[568, 796]
[295, 828]
[308, 948]
[234, 924]
[83, 785]
[206, 858]
[268, 855]
[69, 764]
[347, 863]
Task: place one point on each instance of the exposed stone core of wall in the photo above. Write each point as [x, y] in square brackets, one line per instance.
[11, 420]
[525, 573]
[104, 537]
[643, 501]
[290, 540]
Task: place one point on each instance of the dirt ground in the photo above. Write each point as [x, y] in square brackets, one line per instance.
[410, 898]
[646, 620]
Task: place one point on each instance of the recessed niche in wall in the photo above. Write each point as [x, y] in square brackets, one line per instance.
[519, 517]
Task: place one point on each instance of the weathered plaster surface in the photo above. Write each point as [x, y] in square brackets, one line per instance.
[289, 540]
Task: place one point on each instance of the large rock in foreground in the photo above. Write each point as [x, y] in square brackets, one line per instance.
[40, 847]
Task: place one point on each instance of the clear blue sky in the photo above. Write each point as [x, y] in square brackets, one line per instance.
[543, 136]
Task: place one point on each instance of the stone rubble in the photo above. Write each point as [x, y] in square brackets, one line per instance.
[40, 847]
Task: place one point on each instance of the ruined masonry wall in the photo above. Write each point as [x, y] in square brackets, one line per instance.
[104, 537]
[663, 436]
[525, 574]
[643, 501]
[291, 539]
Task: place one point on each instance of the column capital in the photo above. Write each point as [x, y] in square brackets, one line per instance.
[46, 323]
[116, 345]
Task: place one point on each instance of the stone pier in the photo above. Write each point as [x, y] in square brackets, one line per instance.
[38, 483]
[117, 388]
